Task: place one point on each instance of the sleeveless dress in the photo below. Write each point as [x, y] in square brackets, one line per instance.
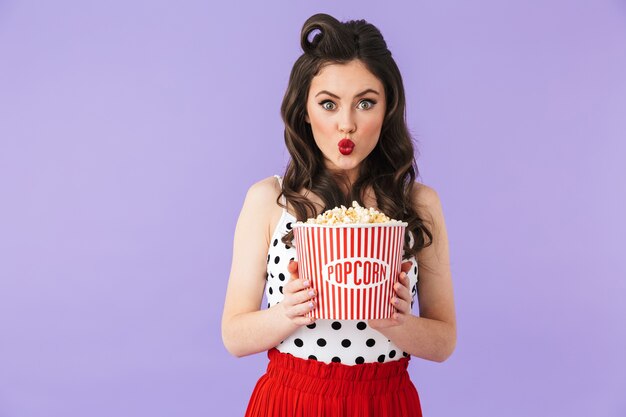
[346, 341]
[330, 367]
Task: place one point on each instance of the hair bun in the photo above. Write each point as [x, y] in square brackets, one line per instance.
[327, 26]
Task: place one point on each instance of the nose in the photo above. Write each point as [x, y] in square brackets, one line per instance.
[346, 122]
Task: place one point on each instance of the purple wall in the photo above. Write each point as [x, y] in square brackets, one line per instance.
[130, 132]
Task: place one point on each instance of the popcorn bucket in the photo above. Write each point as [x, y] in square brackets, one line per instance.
[353, 267]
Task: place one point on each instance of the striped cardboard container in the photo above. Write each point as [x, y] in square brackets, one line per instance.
[353, 267]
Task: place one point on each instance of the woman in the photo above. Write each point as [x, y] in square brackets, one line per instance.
[348, 140]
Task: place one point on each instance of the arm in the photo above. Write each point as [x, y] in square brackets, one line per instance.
[245, 328]
[432, 335]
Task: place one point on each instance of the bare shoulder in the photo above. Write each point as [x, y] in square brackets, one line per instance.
[427, 202]
[262, 195]
[425, 194]
[263, 191]
[261, 203]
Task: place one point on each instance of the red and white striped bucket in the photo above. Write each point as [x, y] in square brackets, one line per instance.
[353, 267]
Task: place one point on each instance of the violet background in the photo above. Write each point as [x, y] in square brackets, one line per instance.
[130, 132]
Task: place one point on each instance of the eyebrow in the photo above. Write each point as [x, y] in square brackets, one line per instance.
[369, 90]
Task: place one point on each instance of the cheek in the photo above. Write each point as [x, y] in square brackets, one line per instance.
[372, 125]
[321, 124]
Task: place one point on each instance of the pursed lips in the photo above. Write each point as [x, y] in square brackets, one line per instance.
[346, 146]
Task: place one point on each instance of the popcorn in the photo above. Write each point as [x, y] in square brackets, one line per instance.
[352, 258]
[353, 215]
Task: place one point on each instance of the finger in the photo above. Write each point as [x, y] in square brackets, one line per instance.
[401, 305]
[297, 285]
[402, 291]
[303, 320]
[301, 309]
[406, 266]
[293, 298]
[406, 281]
[403, 280]
[303, 295]
[292, 268]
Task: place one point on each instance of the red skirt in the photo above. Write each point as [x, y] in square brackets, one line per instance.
[295, 387]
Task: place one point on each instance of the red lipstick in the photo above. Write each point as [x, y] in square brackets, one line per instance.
[346, 146]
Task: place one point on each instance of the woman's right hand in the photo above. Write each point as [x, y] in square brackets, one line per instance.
[299, 297]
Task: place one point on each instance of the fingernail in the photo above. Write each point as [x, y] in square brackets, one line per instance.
[305, 283]
[311, 304]
[311, 293]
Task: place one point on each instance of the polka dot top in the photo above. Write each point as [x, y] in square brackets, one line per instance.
[350, 342]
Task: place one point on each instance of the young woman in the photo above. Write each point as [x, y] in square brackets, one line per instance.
[345, 129]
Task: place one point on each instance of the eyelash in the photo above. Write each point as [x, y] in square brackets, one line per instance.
[373, 102]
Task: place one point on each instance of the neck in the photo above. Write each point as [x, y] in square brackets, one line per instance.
[345, 181]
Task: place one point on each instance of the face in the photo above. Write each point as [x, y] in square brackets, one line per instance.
[345, 101]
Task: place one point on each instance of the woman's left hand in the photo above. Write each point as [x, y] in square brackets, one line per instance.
[401, 301]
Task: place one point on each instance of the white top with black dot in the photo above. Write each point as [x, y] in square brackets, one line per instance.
[350, 342]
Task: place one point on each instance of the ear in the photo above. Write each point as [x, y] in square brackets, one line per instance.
[306, 119]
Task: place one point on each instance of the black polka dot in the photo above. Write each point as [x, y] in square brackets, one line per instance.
[415, 269]
[370, 342]
[287, 246]
[289, 226]
[406, 355]
[281, 276]
[271, 291]
[346, 343]
[268, 305]
[321, 342]
[361, 325]
[392, 354]
[280, 289]
[336, 325]
[275, 242]
[292, 259]
[381, 358]
[277, 259]
[298, 342]
[313, 357]
[312, 325]
[268, 258]
[267, 276]
[271, 275]
[336, 359]
[359, 360]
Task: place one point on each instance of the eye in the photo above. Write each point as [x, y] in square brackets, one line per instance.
[370, 104]
[323, 104]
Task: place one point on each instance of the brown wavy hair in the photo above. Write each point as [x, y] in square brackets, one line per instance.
[390, 169]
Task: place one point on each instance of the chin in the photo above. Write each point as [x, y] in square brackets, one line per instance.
[347, 165]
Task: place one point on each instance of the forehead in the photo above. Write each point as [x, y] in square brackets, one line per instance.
[344, 78]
